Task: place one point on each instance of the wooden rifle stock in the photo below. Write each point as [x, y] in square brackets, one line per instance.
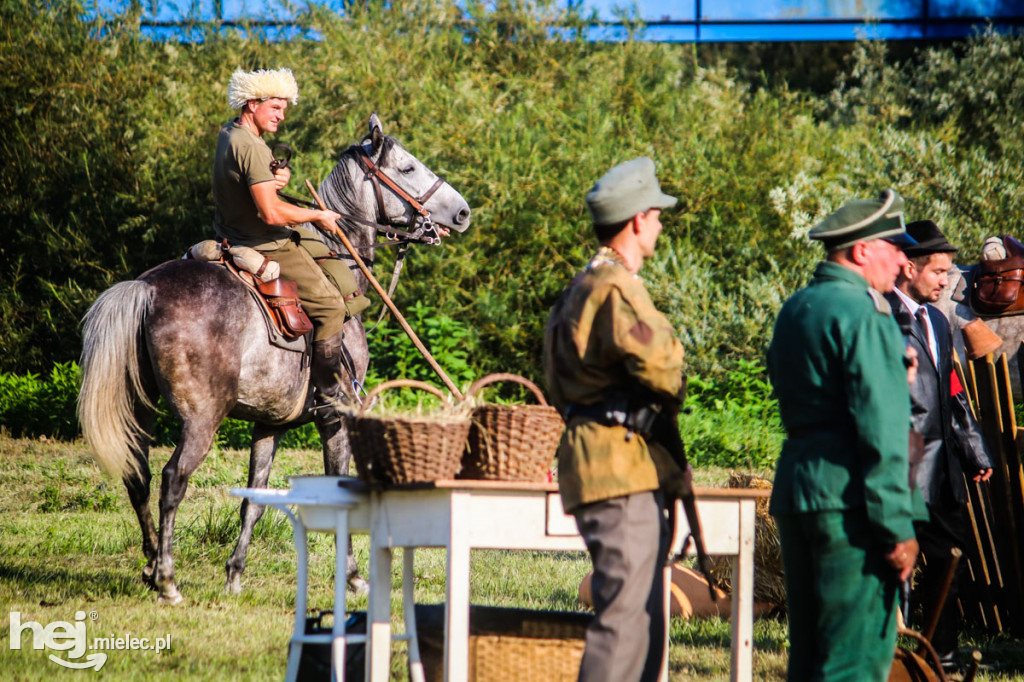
[666, 432]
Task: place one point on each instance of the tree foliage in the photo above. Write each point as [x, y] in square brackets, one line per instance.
[109, 139]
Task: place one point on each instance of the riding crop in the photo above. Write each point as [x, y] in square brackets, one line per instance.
[387, 300]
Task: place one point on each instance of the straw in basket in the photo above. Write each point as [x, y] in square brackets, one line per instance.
[511, 442]
[407, 448]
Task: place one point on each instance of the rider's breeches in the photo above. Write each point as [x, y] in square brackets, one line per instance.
[337, 270]
[321, 299]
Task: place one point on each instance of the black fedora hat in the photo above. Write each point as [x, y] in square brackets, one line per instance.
[929, 239]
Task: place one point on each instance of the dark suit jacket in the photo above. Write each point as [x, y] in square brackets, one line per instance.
[947, 454]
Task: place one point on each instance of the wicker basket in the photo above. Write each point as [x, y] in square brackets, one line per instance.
[508, 644]
[407, 449]
[511, 442]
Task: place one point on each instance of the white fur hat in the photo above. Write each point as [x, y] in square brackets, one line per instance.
[261, 84]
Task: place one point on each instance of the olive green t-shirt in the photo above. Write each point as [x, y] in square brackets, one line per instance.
[242, 160]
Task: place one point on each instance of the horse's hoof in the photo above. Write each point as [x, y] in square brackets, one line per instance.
[358, 587]
[147, 577]
[172, 597]
[233, 585]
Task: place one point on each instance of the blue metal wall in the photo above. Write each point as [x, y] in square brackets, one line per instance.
[681, 20]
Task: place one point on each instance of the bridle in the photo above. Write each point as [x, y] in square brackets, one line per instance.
[423, 229]
[422, 225]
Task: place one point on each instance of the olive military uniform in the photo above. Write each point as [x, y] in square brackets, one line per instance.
[841, 494]
[605, 337]
[243, 159]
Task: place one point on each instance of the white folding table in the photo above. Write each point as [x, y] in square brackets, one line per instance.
[339, 505]
[465, 515]
[462, 515]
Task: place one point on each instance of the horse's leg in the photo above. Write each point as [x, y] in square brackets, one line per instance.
[196, 438]
[337, 448]
[261, 458]
[337, 454]
[137, 483]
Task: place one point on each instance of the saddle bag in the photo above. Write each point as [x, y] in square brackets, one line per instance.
[282, 297]
[996, 290]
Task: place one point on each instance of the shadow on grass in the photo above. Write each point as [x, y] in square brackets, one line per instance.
[55, 584]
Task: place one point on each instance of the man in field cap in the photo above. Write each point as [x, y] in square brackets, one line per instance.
[606, 347]
[841, 496]
[939, 408]
[249, 212]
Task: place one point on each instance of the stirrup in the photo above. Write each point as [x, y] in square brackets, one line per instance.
[358, 391]
[330, 407]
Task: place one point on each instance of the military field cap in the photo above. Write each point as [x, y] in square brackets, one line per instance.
[261, 84]
[863, 220]
[929, 239]
[625, 190]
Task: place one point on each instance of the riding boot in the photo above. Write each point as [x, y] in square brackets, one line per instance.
[325, 373]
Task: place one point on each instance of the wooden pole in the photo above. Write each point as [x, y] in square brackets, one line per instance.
[387, 301]
[940, 603]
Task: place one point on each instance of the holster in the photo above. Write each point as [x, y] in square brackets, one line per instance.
[618, 411]
[638, 410]
[283, 299]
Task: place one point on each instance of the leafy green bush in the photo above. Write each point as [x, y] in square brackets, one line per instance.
[232, 433]
[108, 142]
[733, 421]
[942, 128]
[394, 356]
[31, 405]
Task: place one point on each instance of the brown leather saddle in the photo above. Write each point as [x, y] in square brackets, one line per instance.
[996, 288]
[280, 299]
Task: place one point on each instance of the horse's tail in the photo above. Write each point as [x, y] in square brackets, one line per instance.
[111, 376]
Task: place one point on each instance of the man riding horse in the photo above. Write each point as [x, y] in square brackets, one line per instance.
[249, 212]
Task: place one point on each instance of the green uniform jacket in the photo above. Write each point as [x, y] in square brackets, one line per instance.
[836, 362]
[605, 335]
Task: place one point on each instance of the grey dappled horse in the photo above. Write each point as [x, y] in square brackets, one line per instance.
[190, 332]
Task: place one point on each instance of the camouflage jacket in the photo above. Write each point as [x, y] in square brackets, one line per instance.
[603, 336]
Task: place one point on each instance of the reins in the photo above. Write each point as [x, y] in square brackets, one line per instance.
[424, 233]
[384, 224]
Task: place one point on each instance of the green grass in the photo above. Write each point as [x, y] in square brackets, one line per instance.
[69, 541]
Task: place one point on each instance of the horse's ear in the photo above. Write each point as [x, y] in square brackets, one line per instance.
[376, 132]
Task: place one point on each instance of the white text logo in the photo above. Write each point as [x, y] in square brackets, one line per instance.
[71, 637]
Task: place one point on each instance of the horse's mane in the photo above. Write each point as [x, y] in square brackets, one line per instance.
[340, 193]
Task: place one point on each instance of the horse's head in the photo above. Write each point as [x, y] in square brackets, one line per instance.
[380, 182]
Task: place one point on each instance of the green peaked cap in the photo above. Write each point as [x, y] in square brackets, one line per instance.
[627, 189]
[863, 220]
